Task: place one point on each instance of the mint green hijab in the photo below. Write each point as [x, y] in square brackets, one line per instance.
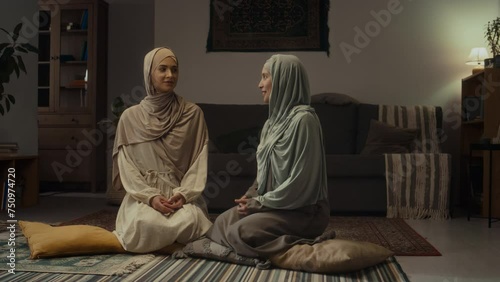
[291, 149]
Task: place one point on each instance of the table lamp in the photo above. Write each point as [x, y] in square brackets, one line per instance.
[476, 58]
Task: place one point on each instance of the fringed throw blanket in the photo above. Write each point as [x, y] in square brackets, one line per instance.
[418, 184]
[422, 117]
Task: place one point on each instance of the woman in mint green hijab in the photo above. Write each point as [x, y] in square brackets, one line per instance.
[288, 203]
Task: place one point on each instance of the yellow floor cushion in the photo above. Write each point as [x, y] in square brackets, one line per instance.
[48, 241]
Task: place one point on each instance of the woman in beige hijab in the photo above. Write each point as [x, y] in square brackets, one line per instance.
[160, 159]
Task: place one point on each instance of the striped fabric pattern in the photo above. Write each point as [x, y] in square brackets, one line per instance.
[169, 269]
[165, 268]
[418, 185]
[422, 117]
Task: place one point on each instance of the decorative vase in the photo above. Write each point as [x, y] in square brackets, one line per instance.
[496, 61]
[488, 62]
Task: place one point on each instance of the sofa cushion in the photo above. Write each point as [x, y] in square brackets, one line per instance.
[237, 141]
[387, 139]
[230, 125]
[338, 123]
[232, 164]
[333, 99]
[355, 165]
[366, 112]
[332, 256]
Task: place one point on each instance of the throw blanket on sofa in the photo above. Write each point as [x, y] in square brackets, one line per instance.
[422, 117]
[418, 184]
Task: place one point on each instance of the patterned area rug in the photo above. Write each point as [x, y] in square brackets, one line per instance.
[392, 233]
[165, 268]
[106, 264]
[168, 269]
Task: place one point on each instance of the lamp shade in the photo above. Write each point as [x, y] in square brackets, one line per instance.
[477, 56]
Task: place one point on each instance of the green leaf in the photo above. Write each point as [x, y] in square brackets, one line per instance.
[4, 77]
[21, 49]
[13, 66]
[118, 106]
[17, 29]
[7, 104]
[1, 110]
[7, 53]
[3, 45]
[29, 47]
[11, 98]
[21, 65]
[5, 31]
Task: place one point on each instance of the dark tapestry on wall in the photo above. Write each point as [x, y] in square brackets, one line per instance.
[268, 25]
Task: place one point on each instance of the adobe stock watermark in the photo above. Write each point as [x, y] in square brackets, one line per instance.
[364, 35]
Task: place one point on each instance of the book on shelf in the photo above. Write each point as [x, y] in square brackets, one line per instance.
[84, 51]
[85, 19]
[77, 83]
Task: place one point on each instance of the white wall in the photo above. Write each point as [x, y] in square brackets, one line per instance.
[20, 123]
[417, 56]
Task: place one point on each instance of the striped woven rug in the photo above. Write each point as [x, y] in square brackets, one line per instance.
[165, 268]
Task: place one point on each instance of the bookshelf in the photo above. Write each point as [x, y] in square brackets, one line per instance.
[480, 121]
[26, 178]
[72, 93]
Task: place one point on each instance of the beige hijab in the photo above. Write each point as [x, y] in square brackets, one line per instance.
[178, 124]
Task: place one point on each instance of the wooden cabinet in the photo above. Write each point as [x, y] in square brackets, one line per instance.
[24, 174]
[72, 91]
[480, 121]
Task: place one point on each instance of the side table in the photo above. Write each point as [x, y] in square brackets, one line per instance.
[26, 170]
[483, 147]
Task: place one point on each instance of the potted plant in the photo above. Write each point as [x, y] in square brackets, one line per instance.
[117, 108]
[11, 61]
[492, 35]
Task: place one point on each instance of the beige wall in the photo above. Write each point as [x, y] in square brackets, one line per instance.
[130, 37]
[417, 56]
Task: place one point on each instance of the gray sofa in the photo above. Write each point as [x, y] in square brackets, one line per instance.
[356, 182]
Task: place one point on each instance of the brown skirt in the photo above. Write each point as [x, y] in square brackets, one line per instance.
[269, 232]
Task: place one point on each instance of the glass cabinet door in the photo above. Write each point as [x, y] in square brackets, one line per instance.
[62, 66]
[45, 99]
[72, 63]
